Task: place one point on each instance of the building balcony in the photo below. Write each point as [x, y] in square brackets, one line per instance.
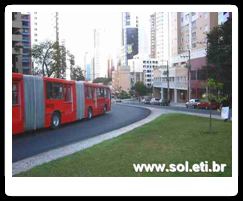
[17, 37]
[17, 51]
[16, 24]
[26, 39]
[26, 33]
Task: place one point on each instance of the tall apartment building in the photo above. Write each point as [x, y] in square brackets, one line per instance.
[153, 35]
[129, 37]
[26, 42]
[188, 37]
[17, 47]
[43, 27]
[162, 37]
[100, 53]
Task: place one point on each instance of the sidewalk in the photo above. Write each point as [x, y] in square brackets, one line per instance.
[178, 104]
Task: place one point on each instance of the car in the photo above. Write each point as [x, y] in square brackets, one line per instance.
[155, 101]
[164, 102]
[118, 100]
[146, 100]
[192, 103]
[207, 105]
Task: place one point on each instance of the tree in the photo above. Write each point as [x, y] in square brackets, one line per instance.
[219, 56]
[123, 94]
[59, 57]
[103, 80]
[140, 89]
[43, 57]
[50, 59]
[214, 95]
[77, 74]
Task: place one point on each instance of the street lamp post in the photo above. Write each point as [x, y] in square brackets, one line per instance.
[167, 79]
[168, 86]
[188, 74]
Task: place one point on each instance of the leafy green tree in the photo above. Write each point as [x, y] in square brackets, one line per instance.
[77, 74]
[219, 56]
[43, 57]
[140, 89]
[49, 59]
[59, 58]
[214, 95]
[123, 95]
[103, 80]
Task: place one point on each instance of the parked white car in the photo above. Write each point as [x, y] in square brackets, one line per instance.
[192, 103]
[155, 101]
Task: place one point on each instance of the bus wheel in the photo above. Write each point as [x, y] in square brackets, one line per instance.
[105, 109]
[90, 113]
[55, 120]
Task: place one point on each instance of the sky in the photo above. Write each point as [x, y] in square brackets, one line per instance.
[78, 31]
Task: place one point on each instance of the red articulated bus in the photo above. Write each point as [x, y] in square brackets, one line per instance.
[42, 102]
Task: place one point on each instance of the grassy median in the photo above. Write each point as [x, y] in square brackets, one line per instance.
[171, 138]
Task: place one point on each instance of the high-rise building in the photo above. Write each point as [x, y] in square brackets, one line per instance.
[153, 35]
[26, 42]
[187, 47]
[162, 37]
[43, 27]
[129, 37]
[17, 47]
[100, 53]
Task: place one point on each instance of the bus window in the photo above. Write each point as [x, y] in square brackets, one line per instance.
[97, 92]
[15, 94]
[101, 92]
[54, 90]
[88, 92]
[107, 93]
[67, 93]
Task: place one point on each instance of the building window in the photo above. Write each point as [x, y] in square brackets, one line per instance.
[193, 75]
[194, 45]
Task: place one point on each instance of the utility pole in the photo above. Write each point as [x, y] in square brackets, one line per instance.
[168, 87]
[189, 75]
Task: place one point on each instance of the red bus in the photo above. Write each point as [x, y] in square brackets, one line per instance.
[42, 102]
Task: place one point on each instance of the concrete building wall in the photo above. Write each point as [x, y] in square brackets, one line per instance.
[17, 46]
[121, 80]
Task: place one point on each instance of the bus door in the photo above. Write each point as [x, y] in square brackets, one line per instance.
[68, 106]
[100, 100]
[17, 107]
[90, 99]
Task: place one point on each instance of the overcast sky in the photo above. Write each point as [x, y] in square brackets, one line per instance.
[77, 30]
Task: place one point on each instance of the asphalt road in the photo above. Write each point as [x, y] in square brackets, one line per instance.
[175, 108]
[32, 143]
